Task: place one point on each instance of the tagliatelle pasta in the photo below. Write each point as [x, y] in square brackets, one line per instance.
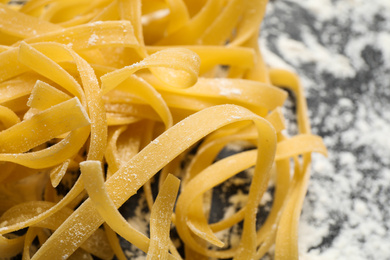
[100, 99]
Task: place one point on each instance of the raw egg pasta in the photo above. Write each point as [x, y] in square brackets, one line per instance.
[98, 98]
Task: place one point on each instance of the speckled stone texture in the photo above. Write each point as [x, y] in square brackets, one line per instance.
[341, 51]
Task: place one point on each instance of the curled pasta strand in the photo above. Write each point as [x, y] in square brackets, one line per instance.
[178, 67]
[10, 247]
[8, 117]
[16, 140]
[160, 218]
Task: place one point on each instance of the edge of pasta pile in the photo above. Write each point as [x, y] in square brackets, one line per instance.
[102, 96]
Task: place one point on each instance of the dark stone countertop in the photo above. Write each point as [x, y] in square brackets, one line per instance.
[341, 51]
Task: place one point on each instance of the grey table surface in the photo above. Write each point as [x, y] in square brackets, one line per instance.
[341, 50]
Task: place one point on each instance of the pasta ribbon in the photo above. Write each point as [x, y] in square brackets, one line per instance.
[8, 117]
[93, 178]
[177, 67]
[11, 247]
[39, 62]
[233, 56]
[17, 24]
[44, 96]
[162, 212]
[52, 155]
[17, 140]
[92, 35]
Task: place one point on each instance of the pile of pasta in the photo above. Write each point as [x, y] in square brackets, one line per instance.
[116, 92]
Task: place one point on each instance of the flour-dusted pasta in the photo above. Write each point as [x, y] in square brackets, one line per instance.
[113, 93]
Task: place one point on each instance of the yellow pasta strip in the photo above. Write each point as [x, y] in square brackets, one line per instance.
[259, 72]
[111, 154]
[7, 169]
[93, 35]
[154, 24]
[11, 247]
[7, 117]
[288, 149]
[10, 65]
[42, 236]
[60, 11]
[109, 12]
[252, 15]
[131, 10]
[96, 110]
[276, 118]
[53, 155]
[113, 120]
[58, 173]
[213, 55]
[92, 94]
[286, 245]
[221, 28]
[288, 79]
[96, 244]
[300, 144]
[78, 20]
[28, 134]
[178, 15]
[144, 90]
[17, 87]
[34, 7]
[160, 219]
[267, 233]
[43, 65]
[114, 242]
[228, 222]
[171, 168]
[208, 151]
[4, 48]
[80, 254]
[177, 67]
[206, 92]
[215, 174]
[92, 175]
[192, 31]
[246, 93]
[30, 236]
[43, 96]
[94, 184]
[21, 221]
[193, 255]
[212, 171]
[132, 110]
[37, 7]
[6, 39]
[21, 25]
[194, 104]
[279, 156]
